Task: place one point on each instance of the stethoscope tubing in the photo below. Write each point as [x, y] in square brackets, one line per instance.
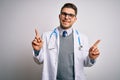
[55, 32]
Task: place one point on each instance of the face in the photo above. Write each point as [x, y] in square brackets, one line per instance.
[67, 18]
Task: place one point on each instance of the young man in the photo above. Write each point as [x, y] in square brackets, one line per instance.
[64, 51]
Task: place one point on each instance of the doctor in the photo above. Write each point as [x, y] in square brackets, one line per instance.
[64, 51]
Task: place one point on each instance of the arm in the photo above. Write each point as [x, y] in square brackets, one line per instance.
[37, 45]
[93, 53]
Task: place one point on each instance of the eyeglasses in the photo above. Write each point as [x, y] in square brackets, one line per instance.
[64, 14]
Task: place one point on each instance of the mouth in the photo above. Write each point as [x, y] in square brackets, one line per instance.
[66, 22]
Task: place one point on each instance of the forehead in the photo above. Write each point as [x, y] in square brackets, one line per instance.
[68, 10]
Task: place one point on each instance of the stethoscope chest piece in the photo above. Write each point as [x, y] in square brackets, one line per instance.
[80, 47]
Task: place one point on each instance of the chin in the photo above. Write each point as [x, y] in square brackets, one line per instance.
[66, 27]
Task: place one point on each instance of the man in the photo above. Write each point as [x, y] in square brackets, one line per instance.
[64, 51]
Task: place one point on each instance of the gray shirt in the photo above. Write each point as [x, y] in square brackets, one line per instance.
[66, 58]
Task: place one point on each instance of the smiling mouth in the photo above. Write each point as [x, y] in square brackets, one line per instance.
[66, 21]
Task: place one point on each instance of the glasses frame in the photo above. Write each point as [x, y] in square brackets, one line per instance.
[64, 14]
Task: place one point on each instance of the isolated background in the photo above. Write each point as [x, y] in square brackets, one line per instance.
[98, 19]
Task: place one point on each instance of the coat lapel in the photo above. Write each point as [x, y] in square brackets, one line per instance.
[57, 39]
[76, 45]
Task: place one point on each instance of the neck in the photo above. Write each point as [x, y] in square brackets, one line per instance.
[65, 28]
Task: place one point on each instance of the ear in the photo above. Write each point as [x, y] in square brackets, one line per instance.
[59, 16]
[75, 19]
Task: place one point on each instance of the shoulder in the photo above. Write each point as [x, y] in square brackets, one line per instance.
[49, 33]
[79, 33]
[83, 37]
[46, 34]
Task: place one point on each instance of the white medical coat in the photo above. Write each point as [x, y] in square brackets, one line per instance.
[48, 55]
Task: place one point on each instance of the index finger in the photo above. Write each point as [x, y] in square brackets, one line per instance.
[37, 33]
[96, 43]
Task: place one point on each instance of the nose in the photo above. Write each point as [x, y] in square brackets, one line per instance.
[66, 16]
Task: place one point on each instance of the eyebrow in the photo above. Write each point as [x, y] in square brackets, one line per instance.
[68, 13]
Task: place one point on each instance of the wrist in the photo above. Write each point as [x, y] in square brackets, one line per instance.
[36, 52]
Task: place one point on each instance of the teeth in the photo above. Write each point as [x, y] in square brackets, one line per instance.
[66, 21]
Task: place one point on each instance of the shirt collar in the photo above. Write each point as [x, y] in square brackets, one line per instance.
[69, 31]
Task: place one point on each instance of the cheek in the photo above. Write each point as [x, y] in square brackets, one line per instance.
[74, 19]
[72, 22]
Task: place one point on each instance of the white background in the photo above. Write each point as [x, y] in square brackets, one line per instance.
[98, 19]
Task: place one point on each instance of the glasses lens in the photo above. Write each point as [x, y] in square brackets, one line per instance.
[64, 14]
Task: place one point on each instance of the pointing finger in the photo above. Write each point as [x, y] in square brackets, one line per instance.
[96, 43]
[37, 33]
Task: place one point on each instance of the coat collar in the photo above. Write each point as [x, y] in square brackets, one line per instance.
[69, 31]
[75, 34]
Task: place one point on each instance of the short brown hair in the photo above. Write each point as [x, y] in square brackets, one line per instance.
[70, 5]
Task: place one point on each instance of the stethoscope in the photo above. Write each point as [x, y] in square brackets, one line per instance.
[55, 33]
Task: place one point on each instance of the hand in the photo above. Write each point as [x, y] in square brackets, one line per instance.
[37, 43]
[94, 51]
